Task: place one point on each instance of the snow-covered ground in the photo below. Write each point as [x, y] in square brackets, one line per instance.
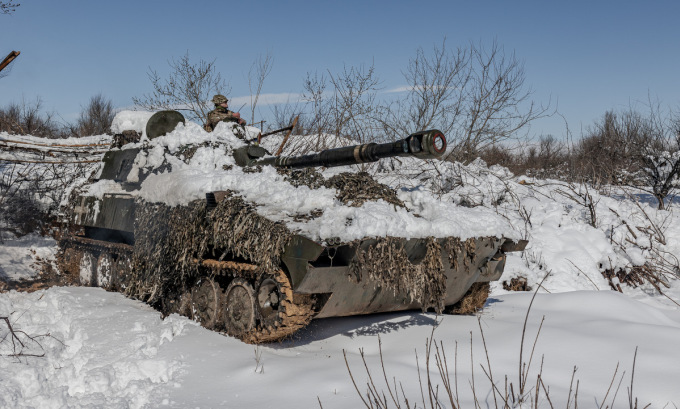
[108, 351]
[104, 350]
[19, 258]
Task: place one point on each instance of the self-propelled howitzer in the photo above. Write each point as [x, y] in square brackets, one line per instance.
[249, 274]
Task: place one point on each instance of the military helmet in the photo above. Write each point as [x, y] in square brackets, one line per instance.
[219, 99]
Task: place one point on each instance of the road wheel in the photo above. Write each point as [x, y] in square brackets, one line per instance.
[123, 269]
[88, 269]
[105, 271]
[69, 263]
[206, 301]
[269, 301]
[239, 308]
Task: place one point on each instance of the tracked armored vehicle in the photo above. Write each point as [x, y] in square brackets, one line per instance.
[273, 243]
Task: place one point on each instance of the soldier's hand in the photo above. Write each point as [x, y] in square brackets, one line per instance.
[236, 115]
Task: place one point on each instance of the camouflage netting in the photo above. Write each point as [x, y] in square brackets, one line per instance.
[186, 152]
[309, 177]
[238, 228]
[169, 240]
[354, 189]
[166, 240]
[387, 263]
[121, 139]
[454, 247]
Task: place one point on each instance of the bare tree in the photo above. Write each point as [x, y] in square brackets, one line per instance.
[475, 95]
[349, 109]
[96, 117]
[189, 86]
[8, 7]
[658, 153]
[353, 103]
[315, 96]
[435, 97]
[259, 71]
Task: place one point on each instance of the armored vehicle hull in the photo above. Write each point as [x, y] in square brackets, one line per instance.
[222, 263]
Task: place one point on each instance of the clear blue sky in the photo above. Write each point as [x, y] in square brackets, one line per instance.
[590, 56]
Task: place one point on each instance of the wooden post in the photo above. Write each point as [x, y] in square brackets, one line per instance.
[285, 138]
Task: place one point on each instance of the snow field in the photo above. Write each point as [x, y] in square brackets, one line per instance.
[102, 350]
[109, 351]
[18, 256]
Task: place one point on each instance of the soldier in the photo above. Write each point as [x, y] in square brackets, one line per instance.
[221, 113]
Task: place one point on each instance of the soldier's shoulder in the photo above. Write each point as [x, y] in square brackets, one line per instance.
[215, 113]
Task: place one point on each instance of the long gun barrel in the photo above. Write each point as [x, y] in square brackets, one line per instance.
[424, 145]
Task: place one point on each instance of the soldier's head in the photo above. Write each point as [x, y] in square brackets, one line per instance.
[220, 100]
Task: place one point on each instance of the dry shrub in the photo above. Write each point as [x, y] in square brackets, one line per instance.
[27, 118]
[634, 277]
[517, 284]
[472, 301]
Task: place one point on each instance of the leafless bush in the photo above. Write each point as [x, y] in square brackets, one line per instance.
[581, 194]
[21, 213]
[95, 118]
[648, 233]
[285, 114]
[548, 160]
[608, 149]
[27, 118]
[658, 153]
[19, 343]
[497, 155]
[441, 390]
[31, 193]
[188, 86]
[633, 149]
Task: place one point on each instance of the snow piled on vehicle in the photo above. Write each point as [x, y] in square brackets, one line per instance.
[211, 167]
[130, 121]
